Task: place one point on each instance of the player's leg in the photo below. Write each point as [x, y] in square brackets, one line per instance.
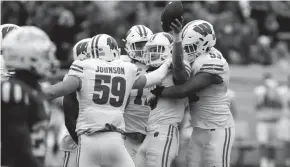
[141, 153]
[115, 152]
[262, 135]
[162, 147]
[184, 138]
[132, 144]
[103, 149]
[69, 159]
[194, 150]
[217, 147]
[68, 150]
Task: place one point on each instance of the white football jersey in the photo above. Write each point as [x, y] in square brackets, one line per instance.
[212, 110]
[168, 111]
[105, 88]
[136, 112]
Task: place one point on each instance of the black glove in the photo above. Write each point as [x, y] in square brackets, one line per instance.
[152, 101]
[193, 98]
[157, 91]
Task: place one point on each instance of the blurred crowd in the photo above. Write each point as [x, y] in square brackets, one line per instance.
[247, 32]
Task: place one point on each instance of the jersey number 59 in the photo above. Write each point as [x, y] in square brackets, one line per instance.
[118, 89]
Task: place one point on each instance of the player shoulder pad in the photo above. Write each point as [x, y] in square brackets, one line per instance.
[125, 58]
[212, 62]
[78, 66]
[131, 68]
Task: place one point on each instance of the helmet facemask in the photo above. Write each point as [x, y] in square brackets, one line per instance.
[136, 39]
[136, 50]
[155, 55]
[190, 52]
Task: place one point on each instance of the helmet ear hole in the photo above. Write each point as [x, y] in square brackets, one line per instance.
[207, 49]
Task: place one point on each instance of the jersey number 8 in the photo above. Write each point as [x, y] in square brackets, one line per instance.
[118, 89]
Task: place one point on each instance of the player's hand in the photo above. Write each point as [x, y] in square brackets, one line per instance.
[151, 101]
[157, 91]
[193, 98]
[176, 25]
[168, 62]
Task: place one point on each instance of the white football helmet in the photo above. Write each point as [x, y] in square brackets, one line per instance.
[103, 47]
[80, 50]
[158, 48]
[6, 28]
[198, 37]
[136, 39]
[30, 48]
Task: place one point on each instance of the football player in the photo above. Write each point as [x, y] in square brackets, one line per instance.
[211, 119]
[136, 112]
[103, 84]
[5, 29]
[71, 109]
[269, 109]
[160, 146]
[24, 109]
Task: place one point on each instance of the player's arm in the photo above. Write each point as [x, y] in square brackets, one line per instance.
[67, 86]
[179, 71]
[195, 84]
[71, 82]
[153, 78]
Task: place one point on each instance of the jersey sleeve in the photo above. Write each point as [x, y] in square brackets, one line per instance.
[187, 67]
[76, 69]
[212, 63]
[132, 69]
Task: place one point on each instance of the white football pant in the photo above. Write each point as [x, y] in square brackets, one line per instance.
[103, 149]
[210, 147]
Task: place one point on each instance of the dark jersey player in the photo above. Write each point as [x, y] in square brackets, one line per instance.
[24, 109]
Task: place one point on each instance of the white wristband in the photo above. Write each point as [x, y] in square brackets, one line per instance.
[177, 37]
[156, 77]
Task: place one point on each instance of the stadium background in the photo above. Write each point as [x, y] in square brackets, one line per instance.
[253, 36]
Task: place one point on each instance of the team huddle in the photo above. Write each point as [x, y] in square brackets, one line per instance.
[126, 110]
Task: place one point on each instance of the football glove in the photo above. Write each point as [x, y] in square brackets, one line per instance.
[193, 98]
[157, 91]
